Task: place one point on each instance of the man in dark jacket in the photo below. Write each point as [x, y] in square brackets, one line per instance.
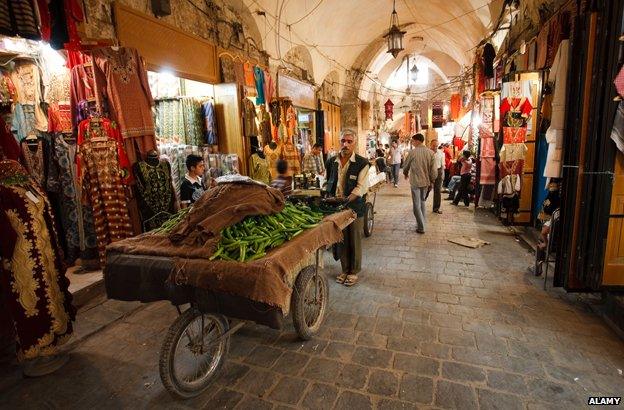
[347, 177]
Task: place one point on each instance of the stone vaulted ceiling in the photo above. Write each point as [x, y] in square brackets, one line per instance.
[347, 34]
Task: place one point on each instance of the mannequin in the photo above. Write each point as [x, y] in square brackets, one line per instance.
[272, 154]
[155, 192]
[259, 166]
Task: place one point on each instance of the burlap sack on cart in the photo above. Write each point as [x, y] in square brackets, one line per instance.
[268, 280]
[197, 235]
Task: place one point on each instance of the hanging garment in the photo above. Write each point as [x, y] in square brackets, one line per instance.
[437, 109]
[103, 170]
[619, 82]
[617, 133]
[23, 123]
[248, 70]
[514, 112]
[489, 54]
[259, 169]
[208, 114]
[193, 122]
[156, 195]
[121, 80]
[83, 94]
[57, 89]
[488, 171]
[250, 129]
[19, 18]
[9, 148]
[76, 218]
[27, 81]
[272, 155]
[32, 273]
[34, 160]
[259, 81]
[264, 119]
[8, 93]
[290, 154]
[269, 87]
[59, 118]
[170, 121]
[556, 131]
[274, 108]
[456, 105]
[291, 121]
[542, 47]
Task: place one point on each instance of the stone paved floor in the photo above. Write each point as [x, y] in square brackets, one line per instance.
[430, 325]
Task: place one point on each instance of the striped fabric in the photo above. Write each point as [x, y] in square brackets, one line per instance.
[19, 18]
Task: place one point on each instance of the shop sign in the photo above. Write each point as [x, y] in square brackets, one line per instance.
[301, 94]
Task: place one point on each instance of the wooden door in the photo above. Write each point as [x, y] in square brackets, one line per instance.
[613, 271]
[229, 123]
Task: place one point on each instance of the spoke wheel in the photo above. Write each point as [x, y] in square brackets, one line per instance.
[369, 220]
[309, 302]
[193, 352]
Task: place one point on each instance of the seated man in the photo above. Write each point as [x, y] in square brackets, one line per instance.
[283, 182]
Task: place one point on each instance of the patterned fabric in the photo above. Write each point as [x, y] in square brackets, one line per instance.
[19, 18]
[23, 123]
[515, 111]
[291, 156]
[76, 219]
[57, 90]
[514, 135]
[27, 81]
[8, 94]
[250, 129]
[264, 119]
[59, 118]
[313, 163]
[156, 196]
[32, 274]
[259, 169]
[103, 166]
[121, 78]
[169, 121]
[9, 148]
[272, 155]
[488, 171]
[210, 123]
[193, 121]
[34, 160]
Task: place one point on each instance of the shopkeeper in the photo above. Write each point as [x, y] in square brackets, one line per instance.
[347, 177]
[313, 161]
[192, 187]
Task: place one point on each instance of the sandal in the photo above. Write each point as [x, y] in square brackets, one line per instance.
[351, 280]
[341, 278]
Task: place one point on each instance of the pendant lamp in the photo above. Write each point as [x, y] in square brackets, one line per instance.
[395, 34]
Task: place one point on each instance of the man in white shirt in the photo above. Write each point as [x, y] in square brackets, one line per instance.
[437, 185]
[394, 159]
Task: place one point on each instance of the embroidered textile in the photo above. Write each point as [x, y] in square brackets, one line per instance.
[488, 171]
[259, 169]
[104, 168]
[264, 119]
[23, 123]
[250, 129]
[514, 135]
[272, 155]
[291, 156]
[76, 218]
[34, 161]
[59, 118]
[32, 274]
[156, 195]
[27, 81]
[122, 80]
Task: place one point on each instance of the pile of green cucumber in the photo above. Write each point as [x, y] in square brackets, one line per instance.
[254, 236]
[171, 223]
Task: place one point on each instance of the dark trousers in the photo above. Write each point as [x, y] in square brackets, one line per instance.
[395, 173]
[351, 249]
[464, 185]
[437, 190]
[447, 177]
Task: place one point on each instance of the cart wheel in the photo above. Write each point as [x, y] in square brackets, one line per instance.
[309, 302]
[369, 220]
[191, 354]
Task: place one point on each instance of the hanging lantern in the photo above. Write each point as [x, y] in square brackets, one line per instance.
[394, 35]
[389, 108]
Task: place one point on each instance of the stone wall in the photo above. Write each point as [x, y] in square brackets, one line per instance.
[212, 20]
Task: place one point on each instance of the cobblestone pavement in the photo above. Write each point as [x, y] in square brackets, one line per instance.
[430, 325]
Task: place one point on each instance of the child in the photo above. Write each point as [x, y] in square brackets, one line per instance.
[282, 182]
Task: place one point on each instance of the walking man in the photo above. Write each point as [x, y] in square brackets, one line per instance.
[421, 169]
[437, 185]
[394, 159]
[347, 177]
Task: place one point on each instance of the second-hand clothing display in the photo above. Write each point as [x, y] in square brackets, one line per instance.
[32, 272]
[103, 169]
